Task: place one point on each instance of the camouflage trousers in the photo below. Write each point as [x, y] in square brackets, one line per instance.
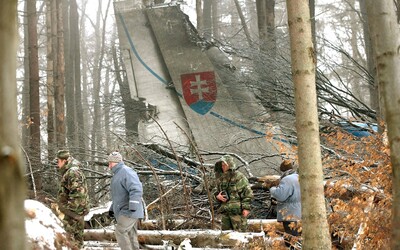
[234, 222]
[74, 228]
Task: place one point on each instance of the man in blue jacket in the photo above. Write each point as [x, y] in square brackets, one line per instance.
[126, 207]
[287, 193]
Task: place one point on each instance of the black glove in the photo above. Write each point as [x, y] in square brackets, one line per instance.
[111, 214]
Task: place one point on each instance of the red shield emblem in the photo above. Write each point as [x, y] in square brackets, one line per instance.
[199, 90]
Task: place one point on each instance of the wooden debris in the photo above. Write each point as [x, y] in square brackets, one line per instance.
[198, 238]
[255, 225]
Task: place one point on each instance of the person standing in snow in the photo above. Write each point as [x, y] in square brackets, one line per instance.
[126, 207]
[72, 198]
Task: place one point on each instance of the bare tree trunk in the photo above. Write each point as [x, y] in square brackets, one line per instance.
[96, 83]
[307, 126]
[386, 36]
[132, 108]
[12, 188]
[355, 85]
[69, 79]
[369, 51]
[243, 22]
[262, 23]
[396, 2]
[251, 13]
[199, 14]
[270, 22]
[207, 19]
[79, 122]
[107, 110]
[100, 47]
[215, 19]
[50, 79]
[34, 103]
[25, 89]
[266, 24]
[59, 91]
[84, 90]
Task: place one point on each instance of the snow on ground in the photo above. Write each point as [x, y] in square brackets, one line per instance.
[98, 210]
[43, 229]
[97, 245]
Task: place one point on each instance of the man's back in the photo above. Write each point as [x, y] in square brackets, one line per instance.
[73, 193]
[125, 189]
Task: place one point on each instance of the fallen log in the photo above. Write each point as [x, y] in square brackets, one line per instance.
[101, 245]
[264, 178]
[198, 238]
[92, 245]
[255, 225]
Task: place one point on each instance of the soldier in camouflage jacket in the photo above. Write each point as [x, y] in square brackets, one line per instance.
[72, 199]
[234, 195]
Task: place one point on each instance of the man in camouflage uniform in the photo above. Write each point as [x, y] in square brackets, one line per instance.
[234, 195]
[73, 200]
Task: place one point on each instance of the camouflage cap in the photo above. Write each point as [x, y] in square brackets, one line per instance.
[229, 160]
[115, 157]
[63, 154]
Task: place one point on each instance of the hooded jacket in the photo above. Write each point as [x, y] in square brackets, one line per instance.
[126, 192]
[237, 187]
[287, 194]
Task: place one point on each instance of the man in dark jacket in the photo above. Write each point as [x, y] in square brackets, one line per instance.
[126, 207]
[234, 194]
[72, 199]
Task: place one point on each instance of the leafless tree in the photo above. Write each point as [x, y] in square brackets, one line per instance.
[309, 153]
[12, 182]
[59, 76]
[385, 36]
[34, 97]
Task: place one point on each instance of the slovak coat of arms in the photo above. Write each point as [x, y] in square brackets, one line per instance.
[199, 90]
